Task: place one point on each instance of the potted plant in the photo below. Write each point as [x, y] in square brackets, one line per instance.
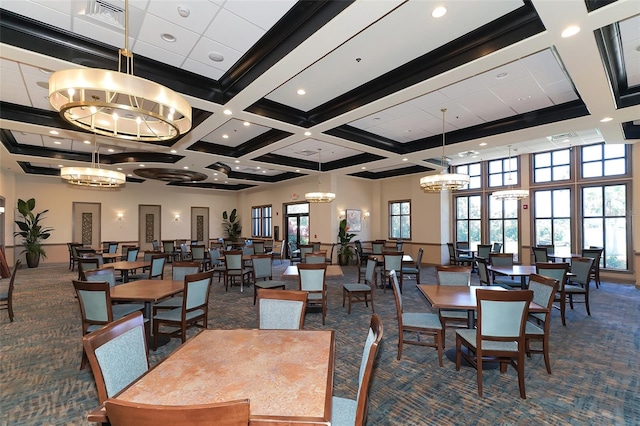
[31, 231]
[344, 238]
[231, 225]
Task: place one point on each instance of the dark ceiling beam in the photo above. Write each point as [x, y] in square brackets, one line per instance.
[392, 173]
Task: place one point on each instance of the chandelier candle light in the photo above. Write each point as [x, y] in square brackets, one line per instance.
[93, 176]
[319, 197]
[119, 104]
[444, 180]
[510, 193]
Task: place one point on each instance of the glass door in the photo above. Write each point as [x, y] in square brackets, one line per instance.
[297, 220]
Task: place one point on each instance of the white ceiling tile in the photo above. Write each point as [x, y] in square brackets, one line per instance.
[540, 61]
[145, 49]
[560, 98]
[202, 69]
[503, 75]
[428, 101]
[486, 105]
[109, 36]
[237, 133]
[523, 87]
[261, 13]
[205, 46]
[330, 152]
[461, 89]
[200, 13]
[153, 28]
[532, 105]
[233, 31]
[43, 11]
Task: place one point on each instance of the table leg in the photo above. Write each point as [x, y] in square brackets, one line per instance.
[523, 282]
[162, 340]
[125, 275]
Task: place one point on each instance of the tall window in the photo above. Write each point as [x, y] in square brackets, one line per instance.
[503, 224]
[261, 221]
[469, 220]
[604, 160]
[552, 166]
[400, 219]
[604, 223]
[552, 217]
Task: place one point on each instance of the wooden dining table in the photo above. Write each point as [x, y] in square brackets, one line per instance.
[287, 375]
[332, 271]
[522, 271]
[125, 266]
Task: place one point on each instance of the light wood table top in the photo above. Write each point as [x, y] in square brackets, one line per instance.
[146, 290]
[453, 296]
[286, 374]
[127, 265]
[332, 271]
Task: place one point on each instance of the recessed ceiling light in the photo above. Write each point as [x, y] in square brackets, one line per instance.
[363, 168]
[227, 112]
[237, 167]
[215, 178]
[225, 136]
[405, 159]
[258, 168]
[119, 168]
[54, 132]
[87, 142]
[570, 31]
[60, 166]
[186, 167]
[216, 56]
[502, 75]
[483, 144]
[237, 161]
[142, 165]
[226, 181]
[301, 92]
[524, 98]
[57, 142]
[439, 12]
[606, 119]
[110, 150]
[184, 11]
[129, 175]
[297, 170]
[169, 38]
[264, 171]
[246, 123]
[307, 133]
[173, 151]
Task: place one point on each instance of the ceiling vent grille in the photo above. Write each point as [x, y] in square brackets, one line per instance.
[105, 12]
[307, 153]
[562, 136]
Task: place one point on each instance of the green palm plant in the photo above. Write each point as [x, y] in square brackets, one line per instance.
[31, 231]
[231, 225]
[344, 237]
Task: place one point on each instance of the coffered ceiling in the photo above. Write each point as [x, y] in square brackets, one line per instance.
[375, 77]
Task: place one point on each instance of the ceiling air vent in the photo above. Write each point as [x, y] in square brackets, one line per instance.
[438, 161]
[562, 136]
[105, 12]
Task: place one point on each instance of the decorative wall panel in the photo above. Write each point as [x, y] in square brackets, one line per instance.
[87, 228]
[200, 227]
[149, 226]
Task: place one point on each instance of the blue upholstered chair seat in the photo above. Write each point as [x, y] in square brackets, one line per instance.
[269, 284]
[314, 296]
[4, 294]
[490, 345]
[570, 288]
[357, 287]
[421, 319]
[531, 328]
[172, 302]
[122, 309]
[453, 313]
[175, 314]
[409, 270]
[343, 411]
[93, 327]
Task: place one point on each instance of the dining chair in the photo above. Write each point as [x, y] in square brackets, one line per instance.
[106, 274]
[263, 274]
[132, 254]
[87, 264]
[464, 245]
[6, 292]
[179, 271]
[215, 263]
[316, 257]
[594, 253]
[194, 309]
[198, 254]
[557, 271]
[538, 330]
[312, 279]
[185, 254]
[316, 245]
[391, 261]
[234, 268]
[117, 354]
[540, 254]
[484, 250]
[399, 245]
[377, 247]
[281, 309]
[361, 292]
[156, 268]
[155, 245]
[277, 251]
[452, 275]
[258, 247]
[305, 249]
[414, 269]
[125, 413]
[499, 335]
[416, 322]
[483, 272]
[73, 255]
[169, 249]
[456, 259]
[349, 412]
[294, 254]
[96, 309]
[579, 283]
[329, 258]
[503, 259]
[496, 248]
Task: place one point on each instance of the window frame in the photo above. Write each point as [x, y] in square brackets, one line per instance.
[391, 216]
[263, 221]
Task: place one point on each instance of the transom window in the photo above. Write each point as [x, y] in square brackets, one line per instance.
[552, 166]
[474, 171]
[503, 172]
[261, 221]
[604, 160]
[400, 219]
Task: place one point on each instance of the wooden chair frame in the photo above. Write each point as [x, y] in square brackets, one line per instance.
[281, 294]
[7, 303]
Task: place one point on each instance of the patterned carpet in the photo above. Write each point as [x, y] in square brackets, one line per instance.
[595, 380]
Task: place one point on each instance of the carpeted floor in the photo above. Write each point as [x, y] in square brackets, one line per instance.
[595, 380]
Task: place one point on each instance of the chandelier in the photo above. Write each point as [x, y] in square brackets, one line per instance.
[93, 176]
[119, 104]
[319, 197]
[510, 193]
[444, 181]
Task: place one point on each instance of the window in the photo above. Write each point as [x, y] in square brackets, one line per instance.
[604, 160]
[604, 223]
[503, 225]
[503, 172]
[552, 217]
[261, 221]
[474, 171]
[552, 166]
[400, 219]
[469, 220]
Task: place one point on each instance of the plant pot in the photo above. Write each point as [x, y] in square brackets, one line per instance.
[343, 259]
[33, 260]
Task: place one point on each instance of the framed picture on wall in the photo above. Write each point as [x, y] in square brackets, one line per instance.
[354, 220]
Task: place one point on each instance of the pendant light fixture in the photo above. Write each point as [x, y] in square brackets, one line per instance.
[444, 181]
[93, 176]
[510, 193]
[119, 104]
[319, 197]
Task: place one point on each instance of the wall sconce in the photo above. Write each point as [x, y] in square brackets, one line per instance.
[367, 214]
[176, 217]
[120, 216]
